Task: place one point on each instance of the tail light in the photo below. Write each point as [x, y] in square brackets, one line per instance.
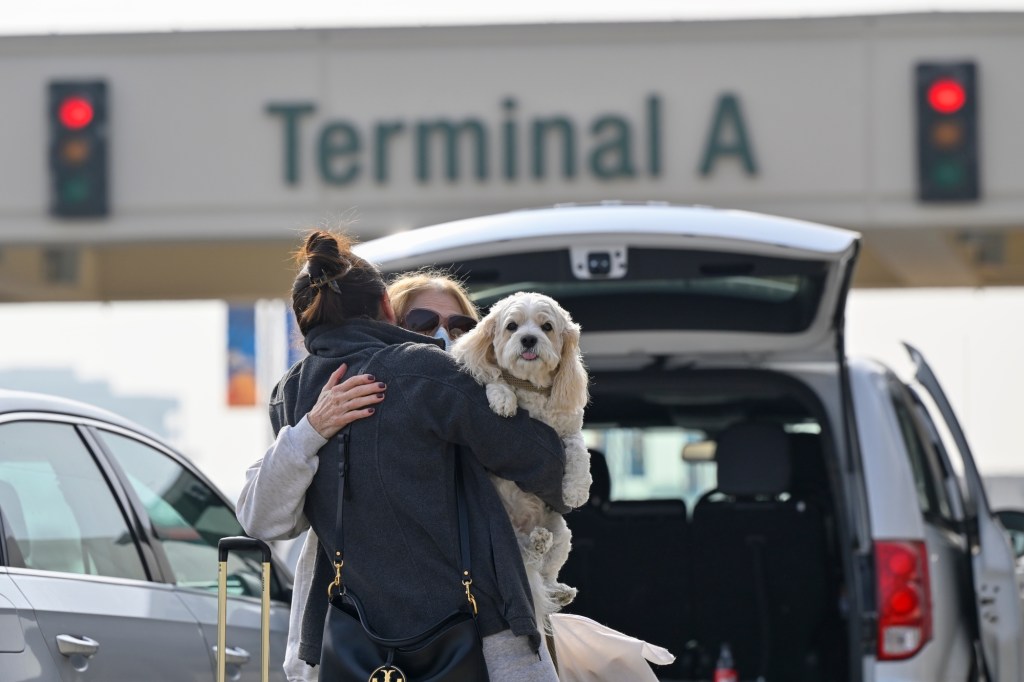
[904, 598]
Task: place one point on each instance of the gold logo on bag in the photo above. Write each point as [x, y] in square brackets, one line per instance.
[390, 672]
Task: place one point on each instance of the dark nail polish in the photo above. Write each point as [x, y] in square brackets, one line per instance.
[370, 377]
[369, 410]
[380, 395]
[381, 384]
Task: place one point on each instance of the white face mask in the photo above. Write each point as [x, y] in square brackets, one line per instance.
[442, 334]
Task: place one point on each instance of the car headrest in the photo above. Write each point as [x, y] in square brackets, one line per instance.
[601, 488]
[753, 459]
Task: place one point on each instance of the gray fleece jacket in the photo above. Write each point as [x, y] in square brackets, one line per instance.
[401, 535]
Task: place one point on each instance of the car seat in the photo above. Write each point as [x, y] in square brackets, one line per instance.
[758, 559]
[629, 563]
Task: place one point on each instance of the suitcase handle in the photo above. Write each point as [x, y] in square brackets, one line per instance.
[239, 543]
[242, 543]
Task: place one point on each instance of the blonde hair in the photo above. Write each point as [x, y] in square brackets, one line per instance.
[405, 288]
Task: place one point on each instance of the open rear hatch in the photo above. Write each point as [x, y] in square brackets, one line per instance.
[657, 291]
[652, 280]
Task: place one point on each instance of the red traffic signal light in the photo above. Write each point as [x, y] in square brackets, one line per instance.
[946, 96]
[947, 132]
[75, 112]
[78, 148]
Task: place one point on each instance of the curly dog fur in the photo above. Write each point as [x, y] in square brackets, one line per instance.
[525, 351]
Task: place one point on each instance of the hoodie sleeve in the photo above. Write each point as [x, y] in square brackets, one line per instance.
[270, 504]
[455, 408]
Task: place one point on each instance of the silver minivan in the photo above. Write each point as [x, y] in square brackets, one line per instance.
[108, 555]
[754, 487]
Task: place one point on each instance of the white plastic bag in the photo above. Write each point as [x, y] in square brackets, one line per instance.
[587, 651]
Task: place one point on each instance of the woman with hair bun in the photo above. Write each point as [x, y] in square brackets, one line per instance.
[400, 537]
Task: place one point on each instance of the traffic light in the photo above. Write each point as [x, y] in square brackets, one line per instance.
[77, 113]
[947, 132]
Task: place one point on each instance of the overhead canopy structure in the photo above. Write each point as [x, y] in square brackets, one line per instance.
[222, 147]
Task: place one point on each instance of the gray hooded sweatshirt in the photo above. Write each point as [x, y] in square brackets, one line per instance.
[400, 530]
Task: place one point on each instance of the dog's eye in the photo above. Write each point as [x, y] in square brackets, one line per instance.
[512, 326]
[546, 326]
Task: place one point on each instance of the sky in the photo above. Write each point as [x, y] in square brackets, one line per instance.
[76, 16]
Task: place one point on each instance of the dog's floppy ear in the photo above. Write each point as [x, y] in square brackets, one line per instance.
[569, 385]
[474, 350]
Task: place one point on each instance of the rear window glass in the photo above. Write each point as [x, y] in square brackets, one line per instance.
[657, 429]
[663, 289]
[662, 463]
[931, 494]
[648, 464]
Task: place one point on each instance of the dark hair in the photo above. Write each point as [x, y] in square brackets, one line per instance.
[333, 283]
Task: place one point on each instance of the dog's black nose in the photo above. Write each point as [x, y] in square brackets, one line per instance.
[529, 341]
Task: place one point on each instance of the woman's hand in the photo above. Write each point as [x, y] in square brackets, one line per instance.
[341, 404]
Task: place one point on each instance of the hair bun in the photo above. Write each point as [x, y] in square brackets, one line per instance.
[333, 284]
[325, 254]
[322, 242]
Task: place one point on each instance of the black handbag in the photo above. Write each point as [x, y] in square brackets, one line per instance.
[448, 651]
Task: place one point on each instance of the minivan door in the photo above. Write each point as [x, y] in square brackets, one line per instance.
[996, 592]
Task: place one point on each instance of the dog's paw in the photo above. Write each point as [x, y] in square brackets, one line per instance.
[576, 493]
[541, 540]
[574, 499]
[562, 594]
[502, 400]
[535, 546]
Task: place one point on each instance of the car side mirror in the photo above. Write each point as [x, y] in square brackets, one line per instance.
[1013, 522]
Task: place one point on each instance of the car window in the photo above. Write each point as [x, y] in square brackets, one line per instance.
[187, 516]
[59, 511]
[664, 289]
[924, 462]
[943, 460]
[951, 465]
[647, 463]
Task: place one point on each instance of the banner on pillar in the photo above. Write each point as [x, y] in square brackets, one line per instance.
[241, 356]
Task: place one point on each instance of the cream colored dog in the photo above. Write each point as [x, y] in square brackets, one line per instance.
[526, 352]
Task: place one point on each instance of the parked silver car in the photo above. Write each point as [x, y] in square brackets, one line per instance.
[753, 486]
[108, 555]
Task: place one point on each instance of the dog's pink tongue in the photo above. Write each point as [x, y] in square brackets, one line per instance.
[529, 355]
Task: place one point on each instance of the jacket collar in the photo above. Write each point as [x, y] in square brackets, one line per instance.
[325, 339]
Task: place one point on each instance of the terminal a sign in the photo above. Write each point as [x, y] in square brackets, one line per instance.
[607, 147]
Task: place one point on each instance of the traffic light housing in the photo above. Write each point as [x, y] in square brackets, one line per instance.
[947, 132]
[77, 112]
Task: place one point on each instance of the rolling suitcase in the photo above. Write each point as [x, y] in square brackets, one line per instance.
[223, 547]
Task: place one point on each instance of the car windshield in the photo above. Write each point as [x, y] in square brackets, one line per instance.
[657, 429]
[663, 462]
[648, 464]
